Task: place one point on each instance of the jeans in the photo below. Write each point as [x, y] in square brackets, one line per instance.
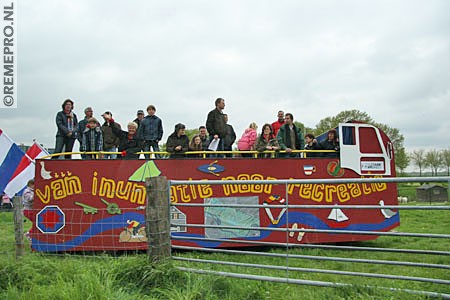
[110, 156]
[151, 144]
[83, 156]
[66, 143]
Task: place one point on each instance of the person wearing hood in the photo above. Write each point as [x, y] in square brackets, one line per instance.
[67, 124]
[178, 143]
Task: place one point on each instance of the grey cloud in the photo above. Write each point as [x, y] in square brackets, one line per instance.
[314, 59]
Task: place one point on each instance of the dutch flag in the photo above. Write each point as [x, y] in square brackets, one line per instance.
[16, 167]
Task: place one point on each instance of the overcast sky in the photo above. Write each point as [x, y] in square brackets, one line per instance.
[390, 59]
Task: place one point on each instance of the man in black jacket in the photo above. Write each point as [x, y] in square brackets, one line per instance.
[216, 125]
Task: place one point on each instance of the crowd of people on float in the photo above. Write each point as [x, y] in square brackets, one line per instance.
[144, 133]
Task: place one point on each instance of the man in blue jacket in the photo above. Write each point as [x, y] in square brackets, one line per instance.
[150, 131]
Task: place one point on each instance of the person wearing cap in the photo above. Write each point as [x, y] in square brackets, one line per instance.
[110, 139]
[67, 124]
[140, 115]
[150, 131]
[92, 139]
[178, 143]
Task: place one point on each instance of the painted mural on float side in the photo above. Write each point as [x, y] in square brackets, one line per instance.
[99, 204]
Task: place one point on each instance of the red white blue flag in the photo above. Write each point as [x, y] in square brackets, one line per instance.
[16, 167]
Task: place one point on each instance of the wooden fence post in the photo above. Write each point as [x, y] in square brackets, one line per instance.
[157, 218]
[18, 227]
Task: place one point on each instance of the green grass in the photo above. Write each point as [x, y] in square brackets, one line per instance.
[101, 276]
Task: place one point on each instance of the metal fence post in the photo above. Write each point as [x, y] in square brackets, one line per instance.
[157, 219]
[18, 227]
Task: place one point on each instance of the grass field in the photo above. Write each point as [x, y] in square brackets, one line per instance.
[130, 276]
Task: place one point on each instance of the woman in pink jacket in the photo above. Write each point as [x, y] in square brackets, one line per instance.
[247, 142]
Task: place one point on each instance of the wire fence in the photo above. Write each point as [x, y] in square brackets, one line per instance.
[415, 255]
[384, 263]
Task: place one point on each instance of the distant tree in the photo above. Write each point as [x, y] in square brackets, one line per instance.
[191, 132]
[418, 158]
[445, 157]
[433, 160]
[401, 159]
[394, 135]
[325, 125]
[301, 126]
[344, 116]
[309, 130]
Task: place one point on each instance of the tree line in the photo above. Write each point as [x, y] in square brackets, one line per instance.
[433, 159]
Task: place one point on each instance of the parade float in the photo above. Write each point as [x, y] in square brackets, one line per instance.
[97, 205]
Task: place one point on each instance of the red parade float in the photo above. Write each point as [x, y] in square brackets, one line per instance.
[96, 205]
